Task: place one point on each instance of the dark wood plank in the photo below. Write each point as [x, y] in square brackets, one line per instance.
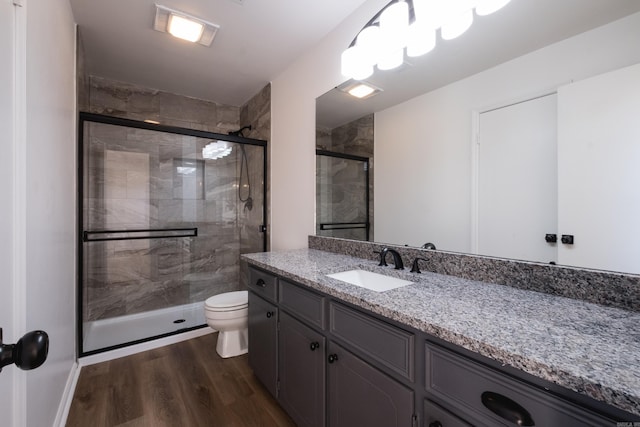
[185, 384]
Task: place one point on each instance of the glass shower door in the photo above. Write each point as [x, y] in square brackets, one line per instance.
[164, 222]
[342, 195]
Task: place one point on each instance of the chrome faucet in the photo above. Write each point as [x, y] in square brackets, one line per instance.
[397, 259]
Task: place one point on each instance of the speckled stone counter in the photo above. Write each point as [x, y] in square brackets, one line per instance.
[588, 348]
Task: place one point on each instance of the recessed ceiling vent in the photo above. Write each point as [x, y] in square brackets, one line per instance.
[184, 26]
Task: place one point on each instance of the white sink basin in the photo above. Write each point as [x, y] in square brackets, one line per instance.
[366, 279]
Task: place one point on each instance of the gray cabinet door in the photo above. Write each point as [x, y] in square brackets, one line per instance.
[301, 363]
[360, 395]
[263, 335]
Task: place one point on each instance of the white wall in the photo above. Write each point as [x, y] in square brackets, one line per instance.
[50, 197]
[7, 147]
[424, 145]
[292, 145]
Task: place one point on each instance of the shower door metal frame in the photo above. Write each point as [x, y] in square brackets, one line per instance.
[83, 118]
[350, 225]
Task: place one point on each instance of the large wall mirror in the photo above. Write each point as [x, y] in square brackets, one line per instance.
[520, 139]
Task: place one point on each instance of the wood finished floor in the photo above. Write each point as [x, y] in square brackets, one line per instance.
[185, 384]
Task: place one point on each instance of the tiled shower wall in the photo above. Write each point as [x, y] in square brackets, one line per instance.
[159, 273]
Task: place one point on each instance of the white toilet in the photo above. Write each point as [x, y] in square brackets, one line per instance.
[228, 314]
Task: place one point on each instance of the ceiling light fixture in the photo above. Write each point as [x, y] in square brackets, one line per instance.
[411, 24]
[216, 150]
[184, 26]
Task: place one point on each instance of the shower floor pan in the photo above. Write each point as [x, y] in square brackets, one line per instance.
[120, 330]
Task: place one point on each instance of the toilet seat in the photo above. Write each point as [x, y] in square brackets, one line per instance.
[228, 301]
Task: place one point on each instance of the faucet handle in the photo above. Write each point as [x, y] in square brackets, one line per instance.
[414, 266]
[383, 256]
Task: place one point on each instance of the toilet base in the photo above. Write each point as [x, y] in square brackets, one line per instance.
[232, 343]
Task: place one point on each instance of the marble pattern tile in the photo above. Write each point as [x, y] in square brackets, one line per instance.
[588, 348]
[151, 274]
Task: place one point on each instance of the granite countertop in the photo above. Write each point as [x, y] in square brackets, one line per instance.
[591, 349]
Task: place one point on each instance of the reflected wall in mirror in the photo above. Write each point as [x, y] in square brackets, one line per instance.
[453, 128]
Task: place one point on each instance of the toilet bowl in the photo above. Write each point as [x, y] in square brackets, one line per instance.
[228, 314]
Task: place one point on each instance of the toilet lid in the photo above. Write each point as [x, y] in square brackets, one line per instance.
[228, 299]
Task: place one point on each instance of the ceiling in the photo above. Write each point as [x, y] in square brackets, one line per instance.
[520, 27]
[256, 41]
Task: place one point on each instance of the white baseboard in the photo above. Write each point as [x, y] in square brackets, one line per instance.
[67, 396]
[138, 348]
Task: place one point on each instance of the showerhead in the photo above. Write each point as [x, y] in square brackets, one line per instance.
[239, 131]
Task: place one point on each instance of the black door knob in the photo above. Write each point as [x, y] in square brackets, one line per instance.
[332, 358]
[261, 283]
[314, 345]
[28, 353]
[270, 314]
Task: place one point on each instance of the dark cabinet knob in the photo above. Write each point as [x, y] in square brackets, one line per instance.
[551, 238]
[314, 345]
[261, 283]
[332, 358]
[435, 424]
[270, 314]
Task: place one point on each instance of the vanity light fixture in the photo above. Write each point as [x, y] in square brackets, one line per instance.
[410, 24]
[358, 89]
[184, 26]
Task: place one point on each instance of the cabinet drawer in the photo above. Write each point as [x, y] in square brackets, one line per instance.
[263, 284]
[483, 393]
[306, 305]
[389, 346]
[434, 415]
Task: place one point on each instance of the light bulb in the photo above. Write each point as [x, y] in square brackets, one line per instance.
[429, 12]
[354, 63]
[394, 25]
[487, 7]
[184, 28]
[369, 41]
[456, 25]
[422, 39]
[391, 59]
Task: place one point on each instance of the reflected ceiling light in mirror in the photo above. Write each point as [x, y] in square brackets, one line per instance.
[359, 89]
[411, 24]
[216, 150]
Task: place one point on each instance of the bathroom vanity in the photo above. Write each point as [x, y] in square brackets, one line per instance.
[441, 351]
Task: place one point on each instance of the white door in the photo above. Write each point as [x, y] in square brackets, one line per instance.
[6, 198]
[516, 189]
[599, 163]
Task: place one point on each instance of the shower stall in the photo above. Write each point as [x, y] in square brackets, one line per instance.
[165, 213]
[342, 195]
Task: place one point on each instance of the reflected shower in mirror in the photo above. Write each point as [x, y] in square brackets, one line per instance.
[344, 189]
